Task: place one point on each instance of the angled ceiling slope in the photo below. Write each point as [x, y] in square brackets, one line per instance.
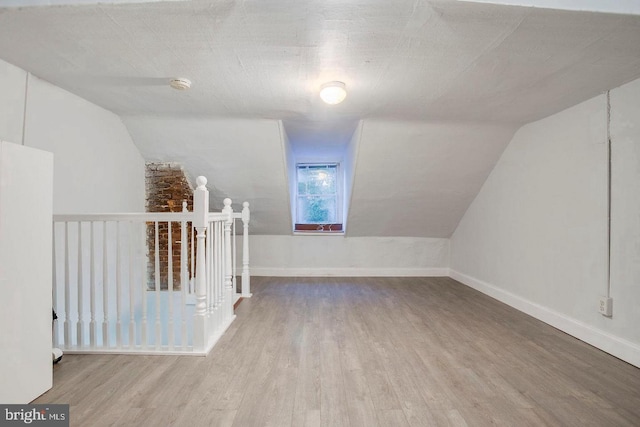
[625, 7]
[241, 159]
[417, 179]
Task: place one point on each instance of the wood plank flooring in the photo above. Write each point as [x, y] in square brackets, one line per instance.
[361, 352]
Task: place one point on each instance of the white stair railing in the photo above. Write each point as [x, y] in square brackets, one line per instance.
[115, 294]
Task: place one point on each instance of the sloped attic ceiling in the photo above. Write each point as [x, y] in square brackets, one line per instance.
[439, 87]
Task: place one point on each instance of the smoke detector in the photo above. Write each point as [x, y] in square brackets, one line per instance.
[180, 83]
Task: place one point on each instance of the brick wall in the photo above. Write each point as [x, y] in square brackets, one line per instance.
[167, 186]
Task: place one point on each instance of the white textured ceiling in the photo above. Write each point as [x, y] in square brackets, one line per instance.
[462, 65]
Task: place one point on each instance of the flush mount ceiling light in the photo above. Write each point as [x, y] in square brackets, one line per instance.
[333, 92]
[180, 83]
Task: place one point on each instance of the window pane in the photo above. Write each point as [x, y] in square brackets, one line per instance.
[317, 179]
[302, 187]
[317, 210]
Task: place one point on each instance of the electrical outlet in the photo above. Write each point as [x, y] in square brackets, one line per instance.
[605, 306]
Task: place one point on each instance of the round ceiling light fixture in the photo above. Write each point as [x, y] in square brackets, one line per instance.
[333, 92]
[180, 83]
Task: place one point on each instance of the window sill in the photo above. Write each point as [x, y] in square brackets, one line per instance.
[318, 233]
[332, 229]
[322, 228]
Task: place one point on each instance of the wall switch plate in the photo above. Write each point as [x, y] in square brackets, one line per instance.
[605, 306]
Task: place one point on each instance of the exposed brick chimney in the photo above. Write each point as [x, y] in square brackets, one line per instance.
[167, 186]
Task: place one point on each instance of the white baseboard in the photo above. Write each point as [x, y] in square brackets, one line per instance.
[616, 346]
[350, 272]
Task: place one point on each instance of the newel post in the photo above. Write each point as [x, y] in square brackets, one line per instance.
[228, 265]
[246, 277]
[200, 222]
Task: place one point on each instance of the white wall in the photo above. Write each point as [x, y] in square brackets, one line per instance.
[97, 168]
[625, 212]
[349, 165]
[535, 237]
[315, 255]
[290, 172]
[12, 85]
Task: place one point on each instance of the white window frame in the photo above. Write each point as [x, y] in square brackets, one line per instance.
[339, 190]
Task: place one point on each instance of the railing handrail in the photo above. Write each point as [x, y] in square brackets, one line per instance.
[140, 217]
[136, 217]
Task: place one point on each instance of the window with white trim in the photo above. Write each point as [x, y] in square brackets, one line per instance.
[318, 197]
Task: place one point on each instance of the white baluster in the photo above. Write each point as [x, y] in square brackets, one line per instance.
[92, 289]
[170, 331]
[210, 269]
[228, 267]
[54, 281]
[80, 325]
[246, 277]
[201, 213]
[105, 288]
[220, 277]
[67, 289]
[211, 237]
[144, 336]
[184, 251]
[217, 273]
[233, 262]
[118, 289]
[132, 295]
[157, 286]
[192, 285]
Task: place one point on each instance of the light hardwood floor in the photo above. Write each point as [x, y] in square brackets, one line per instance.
[361, 352]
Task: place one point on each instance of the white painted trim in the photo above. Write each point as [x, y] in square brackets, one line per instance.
[350, 272]
[140, 352]
[163, 351]
[616, 346]
[213, 339]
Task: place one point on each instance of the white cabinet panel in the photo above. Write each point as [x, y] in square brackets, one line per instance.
[26, 199]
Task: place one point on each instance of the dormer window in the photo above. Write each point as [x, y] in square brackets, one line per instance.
[318, 197]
